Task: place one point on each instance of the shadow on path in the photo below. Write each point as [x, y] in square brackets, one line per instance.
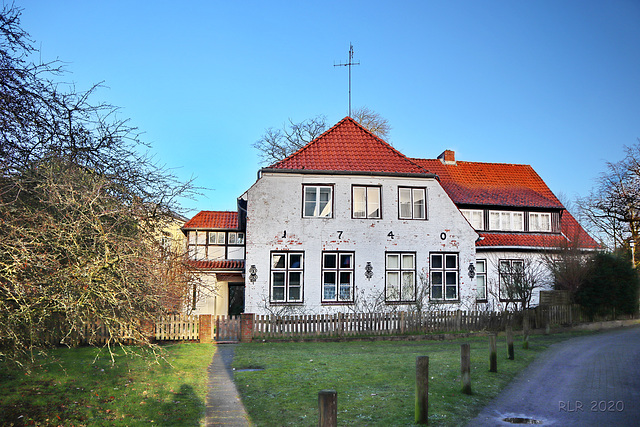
[224, 407]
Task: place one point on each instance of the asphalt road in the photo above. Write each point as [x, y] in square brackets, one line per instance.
[586, 381]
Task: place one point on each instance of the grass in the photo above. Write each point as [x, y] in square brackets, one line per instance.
[375, 381]
[72, 387]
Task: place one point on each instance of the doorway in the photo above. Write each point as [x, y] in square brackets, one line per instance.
[236, 299]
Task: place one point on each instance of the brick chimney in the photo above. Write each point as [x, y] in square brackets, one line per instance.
[448, 157]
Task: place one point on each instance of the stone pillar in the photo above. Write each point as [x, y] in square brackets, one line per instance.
[246, 327]
[205, 331]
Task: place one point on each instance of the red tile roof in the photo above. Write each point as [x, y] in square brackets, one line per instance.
[218, 265]
[507, 186]
[213, 220]
[492, 184]
[349, 147]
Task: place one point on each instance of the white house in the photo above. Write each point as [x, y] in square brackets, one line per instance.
[348, 223]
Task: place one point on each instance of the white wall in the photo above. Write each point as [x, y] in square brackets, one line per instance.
[275, 206]
[534, 262]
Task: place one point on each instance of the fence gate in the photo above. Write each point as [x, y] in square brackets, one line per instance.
[227, 328]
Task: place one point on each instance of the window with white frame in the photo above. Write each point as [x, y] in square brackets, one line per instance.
[539, 221]
[443, 271]
[506, 221]
[366, 202]
[511, 274]
[481, 279]
[236, 238]
[197, 245]
[337, 276]
[400, 277]
[287, 269]
[317, 201]
[216, 245]
[412, 203]
[475, 218]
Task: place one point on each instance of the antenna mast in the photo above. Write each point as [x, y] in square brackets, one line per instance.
[348, 64]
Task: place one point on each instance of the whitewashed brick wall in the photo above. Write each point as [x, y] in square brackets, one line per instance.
[275, 207]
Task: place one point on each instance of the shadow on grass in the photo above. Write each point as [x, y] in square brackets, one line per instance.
[180, 408]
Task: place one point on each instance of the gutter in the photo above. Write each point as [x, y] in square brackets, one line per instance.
[338, 172]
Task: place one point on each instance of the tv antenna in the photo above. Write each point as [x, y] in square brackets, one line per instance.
[348, 64]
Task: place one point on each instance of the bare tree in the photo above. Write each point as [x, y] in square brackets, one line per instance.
[612, 209]
[277, 144]
[518, 279]
[82, 212]
[372, 121]
[569, 264]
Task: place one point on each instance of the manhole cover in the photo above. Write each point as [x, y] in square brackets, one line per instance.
[519, 420]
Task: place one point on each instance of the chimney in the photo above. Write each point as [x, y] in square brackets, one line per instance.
[448, 157]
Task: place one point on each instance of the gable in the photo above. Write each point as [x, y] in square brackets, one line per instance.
[348, 147]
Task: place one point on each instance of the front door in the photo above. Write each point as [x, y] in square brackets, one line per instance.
[236, 299]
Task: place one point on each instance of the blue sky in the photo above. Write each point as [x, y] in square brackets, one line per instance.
[550, 83]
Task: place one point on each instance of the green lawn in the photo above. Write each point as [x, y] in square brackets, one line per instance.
[72, 387]
[375, 381]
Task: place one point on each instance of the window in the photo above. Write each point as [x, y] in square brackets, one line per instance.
[317, 201]
[481, 279]
[366, 202]
[197, 245]
[511, 273]
[506, 221]
[412, 203]
[236, 238]
[337, 276]
[401, 277]
[216, 237]
[475, 218]
[286, 276]
[444, 276]
[539, 221]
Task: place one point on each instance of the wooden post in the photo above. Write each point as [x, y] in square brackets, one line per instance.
[422, 390]
[465, 367]
[493, 354]
[525, 329]
[510, 342]
[328, 408]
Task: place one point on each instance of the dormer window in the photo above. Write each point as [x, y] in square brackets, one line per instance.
[475, 218]
[539, 222]
[506, 221]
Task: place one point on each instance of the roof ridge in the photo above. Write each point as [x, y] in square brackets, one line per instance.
[478, 163]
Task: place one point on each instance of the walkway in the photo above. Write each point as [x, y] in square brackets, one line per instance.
[585, 381]
[224, 407]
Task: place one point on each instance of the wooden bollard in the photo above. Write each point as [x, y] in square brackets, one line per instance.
[328, 408]
[510, 342]
[493, 354]
[422, 390]
[525, 330]
[465, 367]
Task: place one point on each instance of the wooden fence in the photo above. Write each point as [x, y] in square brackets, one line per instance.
[228, 328]
[398, 323]
[177, 327]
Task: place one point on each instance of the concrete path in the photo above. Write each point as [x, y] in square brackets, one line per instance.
[584, 381]
[224, 407]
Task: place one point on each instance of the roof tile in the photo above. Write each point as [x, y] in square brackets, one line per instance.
[218, 265]
[213, 220]
[349, 147]
[492, 184]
